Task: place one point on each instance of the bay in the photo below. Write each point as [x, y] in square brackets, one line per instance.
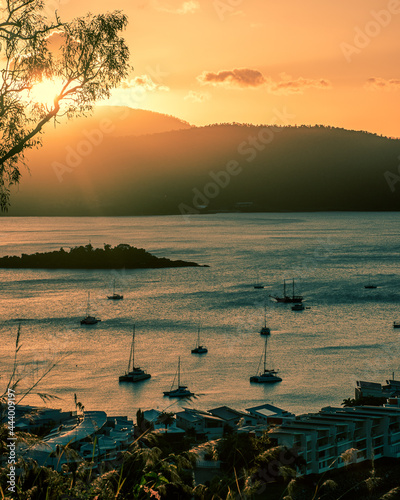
[345, 336]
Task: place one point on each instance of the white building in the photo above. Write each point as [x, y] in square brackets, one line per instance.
[364, 432]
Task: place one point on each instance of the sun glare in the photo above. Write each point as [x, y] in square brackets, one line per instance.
[45, 91]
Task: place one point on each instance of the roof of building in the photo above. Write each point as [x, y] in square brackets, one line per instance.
[192, 415]
[269, 410]
[227, 413]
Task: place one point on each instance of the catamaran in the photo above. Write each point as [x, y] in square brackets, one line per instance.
[136, 374]
[89, 320]
[182, 390]
[199, 349]
[267, 376]
[288, 299]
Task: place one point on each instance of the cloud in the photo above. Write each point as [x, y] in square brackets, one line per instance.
[197, 96]
[245, 77]
[241, 77]
[288, 85]
[187, 7]
[143, 82]
[382, 84]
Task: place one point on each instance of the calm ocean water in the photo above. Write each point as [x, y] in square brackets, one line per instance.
[345, 336]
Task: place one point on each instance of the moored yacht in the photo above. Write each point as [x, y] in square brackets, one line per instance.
[199, 349]
[136, 374]
[115, 296]
[181, 391]
[88, 319]
[267, 376]
[265, 330]
[288, 299]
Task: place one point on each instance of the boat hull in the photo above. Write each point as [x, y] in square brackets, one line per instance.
[134, 378]
[181, 392]
[115, 297]
[288, 300]
[199, 350]
[260, 379]
[90, 320]
[265, 331]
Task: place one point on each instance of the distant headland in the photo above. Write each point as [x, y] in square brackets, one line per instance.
[87, 257]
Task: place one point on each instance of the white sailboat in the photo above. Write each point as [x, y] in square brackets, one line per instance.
[182, 390]
[136, 374]
[88, 319]
[265, 330]
[267, 376]
[199, 349]
[115, 296]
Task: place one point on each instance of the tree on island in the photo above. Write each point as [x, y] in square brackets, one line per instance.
[86, 57]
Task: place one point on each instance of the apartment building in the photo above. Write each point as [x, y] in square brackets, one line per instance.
[334, 437]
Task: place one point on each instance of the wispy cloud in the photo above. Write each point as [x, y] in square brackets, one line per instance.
[187, 7]
[382, 84]
[194, 96]
[288, 85]
[246, 77]
[144, 82]
[241, 77]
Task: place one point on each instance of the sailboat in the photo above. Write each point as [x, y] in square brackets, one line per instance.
[267, 376]
[288, 299]
[136, 374]
[265, 330]
[115, 296]
[182, 390]
[199, 349]
[89, 320]
[370, 285]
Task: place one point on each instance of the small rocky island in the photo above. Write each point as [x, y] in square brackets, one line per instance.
[87, 257]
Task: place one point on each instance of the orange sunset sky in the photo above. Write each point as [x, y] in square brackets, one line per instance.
[206, 61]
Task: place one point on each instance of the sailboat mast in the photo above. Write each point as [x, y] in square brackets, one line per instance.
[198, 336]
[265, 315]
[88, 304]
[133, 348]
[265, 354]
[293, 287]
[179, 371]
[284, 288]
[131, 355]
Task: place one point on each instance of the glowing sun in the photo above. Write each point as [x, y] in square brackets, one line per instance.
[45, 91]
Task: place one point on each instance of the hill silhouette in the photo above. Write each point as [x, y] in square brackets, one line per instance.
[220, 167]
